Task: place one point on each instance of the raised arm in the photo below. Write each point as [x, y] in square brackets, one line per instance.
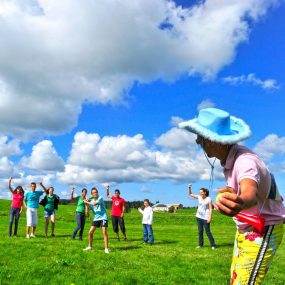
[107, 192]
[190, 192]
[71, 193]
[44, 188]
[9, 185]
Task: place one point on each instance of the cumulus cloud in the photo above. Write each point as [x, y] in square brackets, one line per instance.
[267, 84]
[56, 55]
[43, 158]
[270, 146]
[174, 156]
[9, 148]
[205, 104]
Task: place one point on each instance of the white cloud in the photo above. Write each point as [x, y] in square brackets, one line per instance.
[251, 78]
[56, 55]
[205, 104]
[270, 146]
[8, 148]
[43, 158]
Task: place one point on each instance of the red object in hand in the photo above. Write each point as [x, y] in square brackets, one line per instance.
[255, 221]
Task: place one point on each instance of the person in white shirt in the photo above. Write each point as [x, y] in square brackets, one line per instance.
[203, 215]
[147, 222]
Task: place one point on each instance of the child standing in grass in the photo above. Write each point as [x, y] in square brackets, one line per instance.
[147, 222]
[16, 207]
[100, 218]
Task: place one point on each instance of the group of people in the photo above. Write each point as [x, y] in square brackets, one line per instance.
[251, 191]
[31, 201]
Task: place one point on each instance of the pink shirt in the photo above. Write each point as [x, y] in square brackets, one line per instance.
[17, 200]
[243, 163]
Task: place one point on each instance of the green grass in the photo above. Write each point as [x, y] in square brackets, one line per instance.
[173, 259]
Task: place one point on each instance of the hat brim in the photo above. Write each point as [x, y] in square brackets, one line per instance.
[240, 131]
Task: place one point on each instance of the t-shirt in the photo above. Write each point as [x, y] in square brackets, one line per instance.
[17, 200]
[117, 206]
[243, 163]
[32, 199]
[99, 210]
[203, 211]
[80, 206]
[50, 203]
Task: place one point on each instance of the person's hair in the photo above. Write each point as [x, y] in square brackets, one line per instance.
[33, 183]
[146, 200]
[51, 187]
[21, 189]
[117, 190]
[84, 189]
[94, 188]
[206, 191]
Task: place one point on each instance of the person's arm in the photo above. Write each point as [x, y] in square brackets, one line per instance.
[45, 190]
[21, 207]
[24, 203]
[190, 192]
[108, 192]
[210, 212]
[90, 203]
[9, 185]
[231, 204]
[150, 215]
[71, 193]
[140, 210]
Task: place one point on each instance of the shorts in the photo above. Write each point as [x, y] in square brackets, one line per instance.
[48, 214]
[100, 224]
[32, 217]
[116, 221]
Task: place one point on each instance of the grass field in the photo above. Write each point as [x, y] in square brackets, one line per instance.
[173, 259]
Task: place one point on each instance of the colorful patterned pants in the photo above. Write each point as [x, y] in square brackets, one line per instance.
[253, 254]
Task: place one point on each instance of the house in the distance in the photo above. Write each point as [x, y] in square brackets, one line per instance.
[160, 207]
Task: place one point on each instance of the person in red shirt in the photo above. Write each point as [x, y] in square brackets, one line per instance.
[16, 206]
[118, 209]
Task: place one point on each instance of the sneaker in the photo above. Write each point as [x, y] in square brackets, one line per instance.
[52, 235]
[32, 236]
[214, 247]
[198, 246]
[88, 248]
[106, 250]
[125, 239]
[27, 236]
[118, 239]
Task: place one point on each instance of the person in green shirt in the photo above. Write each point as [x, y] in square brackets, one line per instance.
[51, 202]
[81, 212]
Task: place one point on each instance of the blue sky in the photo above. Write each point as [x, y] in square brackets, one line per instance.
[92, 91]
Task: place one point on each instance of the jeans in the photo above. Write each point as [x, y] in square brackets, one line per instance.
[203, 224]
[80, 220]
[147, 233]
[14, 213]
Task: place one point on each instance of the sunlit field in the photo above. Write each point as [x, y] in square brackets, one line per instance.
[173, 259]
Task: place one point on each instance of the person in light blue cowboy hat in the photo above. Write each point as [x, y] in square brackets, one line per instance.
[251, 190]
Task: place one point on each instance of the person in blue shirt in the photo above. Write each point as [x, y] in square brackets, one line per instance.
[96, 204]
[31, 203]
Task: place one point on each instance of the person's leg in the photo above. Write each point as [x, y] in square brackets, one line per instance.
[34, 221]
[105, 235]
[200, 231]
[12, 215]
[115, 221]
[90, 236]
[82, 225]
[253, 254]
[122, 227]
[52, 219]
[46, 225]
[145, 233]
[29, 222]
[78, 227]
[150, 234]
[17, 217]
[207, 227]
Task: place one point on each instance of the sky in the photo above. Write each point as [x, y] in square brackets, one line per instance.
[91, 92]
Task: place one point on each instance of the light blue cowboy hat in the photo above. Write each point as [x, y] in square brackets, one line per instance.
[218, 126]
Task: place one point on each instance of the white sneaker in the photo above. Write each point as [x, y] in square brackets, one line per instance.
[213, 247]
[106, 250]
[88, 248]
[32, 236]
[27, 236]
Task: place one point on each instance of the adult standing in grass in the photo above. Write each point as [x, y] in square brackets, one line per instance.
[117, 214]
[16, 207]
[31, 203]
[203, 215]
[50, 204]
[81, 212]
[251, 190]
[96, 204]
[147, 220]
